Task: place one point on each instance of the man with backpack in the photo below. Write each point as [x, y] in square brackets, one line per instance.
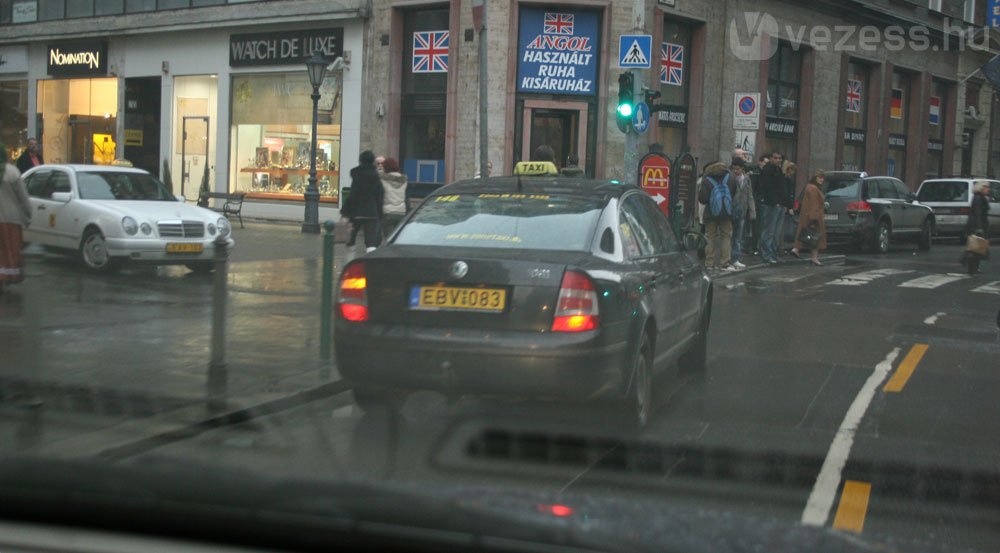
[716, 195]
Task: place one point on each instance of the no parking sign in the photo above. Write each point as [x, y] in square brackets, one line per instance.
[746, 111]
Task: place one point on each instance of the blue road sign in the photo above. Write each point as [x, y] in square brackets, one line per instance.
[640, 119]
[635, 51]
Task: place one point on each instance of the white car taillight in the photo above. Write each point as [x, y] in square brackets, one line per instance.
[576, 310]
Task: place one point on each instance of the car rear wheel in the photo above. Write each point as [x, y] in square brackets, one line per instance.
[94, 252]
[883, 236]
[641, 391]
[926, 233]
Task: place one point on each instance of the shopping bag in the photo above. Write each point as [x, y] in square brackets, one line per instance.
[977, 245]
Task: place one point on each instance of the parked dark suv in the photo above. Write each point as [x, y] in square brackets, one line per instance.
[874, 211]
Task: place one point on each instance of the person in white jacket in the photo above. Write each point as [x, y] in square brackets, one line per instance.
[394, 184]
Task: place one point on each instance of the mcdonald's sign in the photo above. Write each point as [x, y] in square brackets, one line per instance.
[654, 179]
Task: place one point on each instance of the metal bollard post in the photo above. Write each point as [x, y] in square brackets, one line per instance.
[218, 363]
[326, 305]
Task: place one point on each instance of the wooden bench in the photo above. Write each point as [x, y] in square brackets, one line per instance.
[233, 204]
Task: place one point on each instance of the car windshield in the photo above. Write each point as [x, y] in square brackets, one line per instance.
[842, 187]
[120, 185]
[504, 220]
[944, 191]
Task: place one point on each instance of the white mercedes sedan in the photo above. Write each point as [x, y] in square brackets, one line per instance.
[110, 215]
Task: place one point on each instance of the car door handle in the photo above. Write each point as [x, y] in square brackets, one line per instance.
[41, 208]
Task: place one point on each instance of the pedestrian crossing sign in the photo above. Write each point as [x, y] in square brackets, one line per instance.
[635, 51]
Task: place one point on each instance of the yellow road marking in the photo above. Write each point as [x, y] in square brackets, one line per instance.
[853, 506]
[906, 368]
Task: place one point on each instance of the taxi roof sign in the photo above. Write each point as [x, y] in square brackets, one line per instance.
[535, 168]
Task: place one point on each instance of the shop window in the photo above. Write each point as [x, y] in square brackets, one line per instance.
[938, 121]
[109, 7]
[51, 9]
[972, 95]
[13, 116]
[423, 110]
[899, 104]
[782, 102]
[272, 118]
[132, 6]
[172, 4]
[79, 8]
[77, 119]
[200, 3]
[674, 79]
[856, 97]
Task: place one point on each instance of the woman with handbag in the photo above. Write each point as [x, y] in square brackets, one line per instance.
[812, 228]
[977, 227]
[15, 214]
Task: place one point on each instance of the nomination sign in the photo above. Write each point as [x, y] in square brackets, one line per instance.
[78, 59]
[284, 47]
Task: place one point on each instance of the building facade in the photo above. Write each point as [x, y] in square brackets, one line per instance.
[217, 91]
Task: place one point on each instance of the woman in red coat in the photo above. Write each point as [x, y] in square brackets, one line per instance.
[811, 214]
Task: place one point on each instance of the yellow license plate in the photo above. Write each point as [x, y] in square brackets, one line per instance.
[438, 298]
[185, 248]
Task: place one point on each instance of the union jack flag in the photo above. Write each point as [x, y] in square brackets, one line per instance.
[853, 96]
[558, 24]
[672, 64]
[430, 52]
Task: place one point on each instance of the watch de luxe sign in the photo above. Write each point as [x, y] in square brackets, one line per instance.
[78, 59]
[285, 47]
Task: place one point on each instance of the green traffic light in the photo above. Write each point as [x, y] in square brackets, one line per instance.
[625, 110]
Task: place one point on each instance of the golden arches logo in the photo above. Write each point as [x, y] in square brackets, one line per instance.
[656, 177]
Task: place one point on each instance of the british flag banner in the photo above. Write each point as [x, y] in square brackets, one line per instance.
[558, 24]
[430, 52]
[853, 96]
[672, 64]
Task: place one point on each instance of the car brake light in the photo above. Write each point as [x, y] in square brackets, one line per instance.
[859, 206]
[352, 299]
[576, 310]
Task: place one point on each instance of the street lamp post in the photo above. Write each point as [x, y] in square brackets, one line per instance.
[316, 66]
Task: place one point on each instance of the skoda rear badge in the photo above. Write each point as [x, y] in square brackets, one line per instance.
[459, 269]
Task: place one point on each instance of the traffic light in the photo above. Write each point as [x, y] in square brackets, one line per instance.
[626, 101]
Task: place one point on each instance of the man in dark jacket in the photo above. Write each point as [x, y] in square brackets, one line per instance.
[366, 201]
[718, 218]
[30, 157]
[572, 168]
[771, 188]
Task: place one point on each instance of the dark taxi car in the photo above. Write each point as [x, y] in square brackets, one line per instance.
[533, 286]
[875, 211]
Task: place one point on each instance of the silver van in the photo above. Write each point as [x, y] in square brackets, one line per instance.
[951, 200]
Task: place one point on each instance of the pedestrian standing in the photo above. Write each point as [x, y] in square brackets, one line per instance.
[978, 222]
[572, 168]
[753, 171]
[788, 169]
[743, 209]
[380, 165]
[367, 198]
[811, 220]
[489, 169]
[772, 207]
[716, 195]
[394, 187]
[544, 153]
[15, 214]
[30, 157]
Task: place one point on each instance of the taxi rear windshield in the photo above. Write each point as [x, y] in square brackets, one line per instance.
[522, 221]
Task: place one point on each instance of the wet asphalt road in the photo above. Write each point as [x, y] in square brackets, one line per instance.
[793, 349]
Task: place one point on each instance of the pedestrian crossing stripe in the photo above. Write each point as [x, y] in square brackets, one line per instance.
[991, 288]
[635, 55]
[931, 282]
[859, 279]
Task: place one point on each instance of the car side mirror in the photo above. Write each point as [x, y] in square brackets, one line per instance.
[63, 197]
[693, 241]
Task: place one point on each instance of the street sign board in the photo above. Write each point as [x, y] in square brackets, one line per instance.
[993, 13]
[654, 179]
[746, 111]
[635, 51]
[747, 140]
[640, 118]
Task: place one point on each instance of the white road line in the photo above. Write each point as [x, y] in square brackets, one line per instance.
[785, 278]
[931, 282]
[991, 288]
[824, 492]
[933, 318]
[859, 279]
